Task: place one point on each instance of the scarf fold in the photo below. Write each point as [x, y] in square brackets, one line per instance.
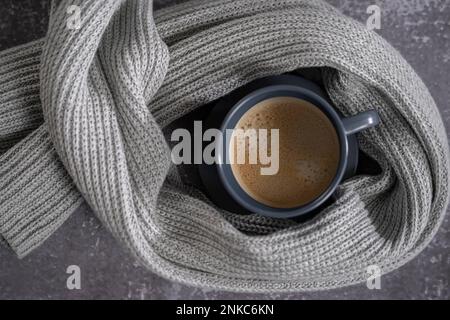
[81, 119]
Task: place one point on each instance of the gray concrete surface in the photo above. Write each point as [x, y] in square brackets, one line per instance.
[419, 29]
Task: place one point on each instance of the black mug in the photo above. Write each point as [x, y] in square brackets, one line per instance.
[219, 180]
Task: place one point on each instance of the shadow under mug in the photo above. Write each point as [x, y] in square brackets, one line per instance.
[219, 180]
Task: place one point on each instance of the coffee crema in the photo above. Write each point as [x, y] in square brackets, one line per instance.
[309, 153]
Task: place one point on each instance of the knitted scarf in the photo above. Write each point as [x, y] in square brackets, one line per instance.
[81, 119]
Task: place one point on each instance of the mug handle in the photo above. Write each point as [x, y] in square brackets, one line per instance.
[361, 121]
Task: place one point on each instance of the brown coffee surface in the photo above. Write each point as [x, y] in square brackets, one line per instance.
[309, 153]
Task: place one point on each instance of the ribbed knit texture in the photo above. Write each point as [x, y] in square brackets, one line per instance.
[107, 90]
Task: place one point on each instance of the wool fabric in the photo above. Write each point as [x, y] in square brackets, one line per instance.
[81, 119]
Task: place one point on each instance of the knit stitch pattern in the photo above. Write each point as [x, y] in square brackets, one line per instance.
[81, 119]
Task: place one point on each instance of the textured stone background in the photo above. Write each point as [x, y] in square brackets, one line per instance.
[419, 29]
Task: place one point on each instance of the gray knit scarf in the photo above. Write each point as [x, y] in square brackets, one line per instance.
[81, 118]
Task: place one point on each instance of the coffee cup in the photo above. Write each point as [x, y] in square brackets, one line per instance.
[316, 146]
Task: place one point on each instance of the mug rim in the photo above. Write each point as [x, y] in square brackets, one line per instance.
[230, 121]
